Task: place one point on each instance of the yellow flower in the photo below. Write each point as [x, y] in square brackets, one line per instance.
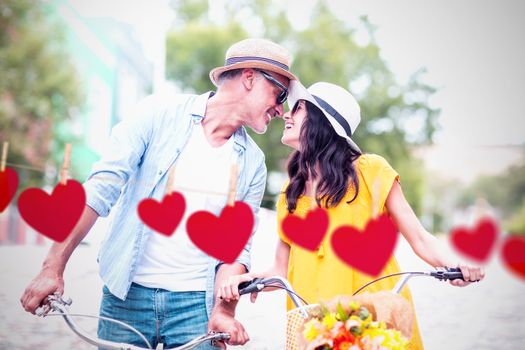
[389, 338]
[329, 320]
[310, 331]
[354, 306]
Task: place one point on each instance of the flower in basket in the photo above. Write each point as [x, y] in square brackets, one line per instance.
[377, 321]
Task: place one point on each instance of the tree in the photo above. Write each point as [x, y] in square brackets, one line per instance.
[506, 192]
[38, 89]
[326, 50]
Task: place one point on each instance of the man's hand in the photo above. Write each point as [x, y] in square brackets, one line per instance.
[222, 321]
[47, 282]
[51, 277]
[229, 290]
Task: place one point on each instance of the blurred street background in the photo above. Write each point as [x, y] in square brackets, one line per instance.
[441, 87]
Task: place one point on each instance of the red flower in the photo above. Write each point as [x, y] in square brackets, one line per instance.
[343, 340]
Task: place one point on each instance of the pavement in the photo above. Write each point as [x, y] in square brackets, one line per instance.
[486, 315]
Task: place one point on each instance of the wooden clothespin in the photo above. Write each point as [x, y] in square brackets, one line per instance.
[64, 172]
[233, 185]
[5, 147]
[169, 185]
[313, 205]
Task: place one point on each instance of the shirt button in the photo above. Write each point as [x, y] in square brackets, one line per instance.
[160, 172]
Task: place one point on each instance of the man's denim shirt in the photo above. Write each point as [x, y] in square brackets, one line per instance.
[142, 149]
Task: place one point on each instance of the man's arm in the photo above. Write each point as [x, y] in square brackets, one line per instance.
[222, 316]
[223, 313]
[50, 279]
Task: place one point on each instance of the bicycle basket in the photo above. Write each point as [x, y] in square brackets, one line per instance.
[294, 321]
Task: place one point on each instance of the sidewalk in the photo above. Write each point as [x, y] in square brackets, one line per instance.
[488, 315]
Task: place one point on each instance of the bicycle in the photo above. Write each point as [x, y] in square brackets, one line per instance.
[56, 303]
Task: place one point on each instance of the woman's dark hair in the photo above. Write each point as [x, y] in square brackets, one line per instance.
[323, 151]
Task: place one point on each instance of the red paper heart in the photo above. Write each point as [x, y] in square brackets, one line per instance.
[8, 186]
[513, 254]
[367, 251]
[478, 242]
[53, 215]
[222, 237]
[165, 216]
[308, 232]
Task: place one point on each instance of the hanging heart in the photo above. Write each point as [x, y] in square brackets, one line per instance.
[222, 237]
[308, 232]
[164, 216]
[53, 215]
[476, 243]
[513, 255]
[8, 187]
[369, 250]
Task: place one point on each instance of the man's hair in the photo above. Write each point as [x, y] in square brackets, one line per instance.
[326, 157]
[230, 74]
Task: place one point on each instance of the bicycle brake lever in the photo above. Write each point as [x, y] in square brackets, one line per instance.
[43, 310]
[445, 274]
[251, 286]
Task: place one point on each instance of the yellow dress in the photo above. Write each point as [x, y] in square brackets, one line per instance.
[320, 276]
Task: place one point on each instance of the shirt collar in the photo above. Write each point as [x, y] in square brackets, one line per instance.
[199, 104]
[198, 109]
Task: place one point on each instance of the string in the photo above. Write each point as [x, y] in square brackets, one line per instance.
[186, 189]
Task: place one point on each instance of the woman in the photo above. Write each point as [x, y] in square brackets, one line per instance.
[327, 169]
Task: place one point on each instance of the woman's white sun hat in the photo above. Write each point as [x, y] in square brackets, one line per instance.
[337, 104]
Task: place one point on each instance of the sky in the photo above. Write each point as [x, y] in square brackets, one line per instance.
[474, 54]
[473, 51]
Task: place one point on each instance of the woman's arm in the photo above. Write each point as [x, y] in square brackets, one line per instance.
[229, 289]
[424, 244]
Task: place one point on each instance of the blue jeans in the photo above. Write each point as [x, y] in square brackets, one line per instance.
[171, 318]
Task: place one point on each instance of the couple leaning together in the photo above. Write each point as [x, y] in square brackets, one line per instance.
[165, 286]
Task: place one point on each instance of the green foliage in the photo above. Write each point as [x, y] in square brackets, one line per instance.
[38, 88]
[506, 192]
[516, 223]
[194, 51]
[327, 50]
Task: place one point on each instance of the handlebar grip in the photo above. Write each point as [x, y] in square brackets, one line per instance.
[250, 286]
[449, 273]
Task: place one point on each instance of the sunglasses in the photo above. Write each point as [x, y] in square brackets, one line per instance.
[283, 95]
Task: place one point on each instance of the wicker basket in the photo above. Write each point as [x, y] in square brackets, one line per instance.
[294, 321]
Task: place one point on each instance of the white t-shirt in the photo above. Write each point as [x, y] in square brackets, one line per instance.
[202, 175]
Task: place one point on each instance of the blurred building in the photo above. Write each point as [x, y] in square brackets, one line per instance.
[115, 74]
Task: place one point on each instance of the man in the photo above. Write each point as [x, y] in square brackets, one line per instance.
[164, 286]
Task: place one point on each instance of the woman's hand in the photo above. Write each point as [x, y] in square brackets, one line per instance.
[229, 290]
[470, 274]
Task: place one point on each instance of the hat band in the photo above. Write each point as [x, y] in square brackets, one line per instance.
[234, 60]
[338, 117]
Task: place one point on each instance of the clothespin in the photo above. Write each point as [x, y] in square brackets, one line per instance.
[313, 206]
[233, 185]
[5, 147]
[169, 185]
[313, 198]
[65, 166]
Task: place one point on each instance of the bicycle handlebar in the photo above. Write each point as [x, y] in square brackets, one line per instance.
[258, 284]
[57, 304]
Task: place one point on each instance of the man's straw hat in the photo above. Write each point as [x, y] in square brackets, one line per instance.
[256, 53]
